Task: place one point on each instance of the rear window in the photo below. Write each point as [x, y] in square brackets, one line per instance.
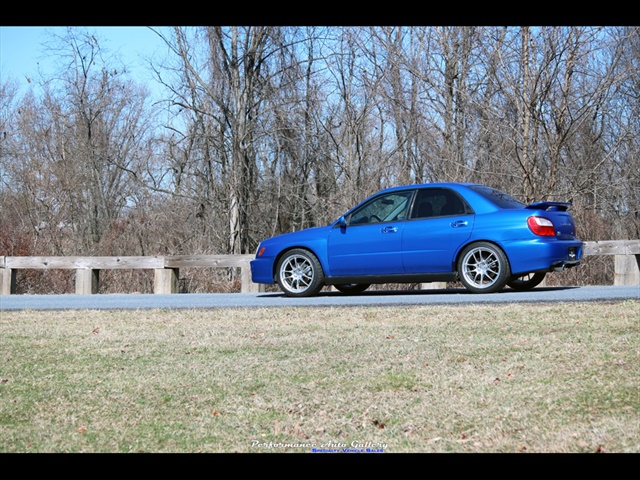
[498, 198]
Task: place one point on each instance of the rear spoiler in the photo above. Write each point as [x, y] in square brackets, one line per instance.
[550, 206]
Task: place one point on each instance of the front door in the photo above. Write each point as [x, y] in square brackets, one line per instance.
[371, 241]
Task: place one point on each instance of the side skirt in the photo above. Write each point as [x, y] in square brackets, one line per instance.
[396, 278]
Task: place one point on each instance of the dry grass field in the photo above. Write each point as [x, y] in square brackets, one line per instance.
[415, 379]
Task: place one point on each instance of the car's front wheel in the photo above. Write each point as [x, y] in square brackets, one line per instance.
[483, 268]
[352, 288]
[527, 281]
[299, 273]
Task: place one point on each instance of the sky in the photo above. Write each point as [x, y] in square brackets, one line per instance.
[21, 50]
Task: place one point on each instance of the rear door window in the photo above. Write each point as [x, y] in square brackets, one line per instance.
[438, 202]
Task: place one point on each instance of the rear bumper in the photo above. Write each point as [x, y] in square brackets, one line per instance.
[545, 256]
[574, 254]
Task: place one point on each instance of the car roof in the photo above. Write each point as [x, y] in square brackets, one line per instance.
[422, 185]
[480, 203]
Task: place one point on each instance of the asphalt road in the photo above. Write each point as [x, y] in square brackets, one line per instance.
[326, 299]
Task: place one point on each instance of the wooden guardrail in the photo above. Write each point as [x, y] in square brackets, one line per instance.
[167, 268]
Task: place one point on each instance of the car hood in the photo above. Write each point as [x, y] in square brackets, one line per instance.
[301, 236]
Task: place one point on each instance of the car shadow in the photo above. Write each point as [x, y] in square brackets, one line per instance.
[425, 292]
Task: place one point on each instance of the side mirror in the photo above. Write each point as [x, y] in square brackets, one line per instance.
[342, 222]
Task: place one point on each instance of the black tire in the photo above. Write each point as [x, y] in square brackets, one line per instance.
[352, 288]
[526, 282]
[299, 273]
[483, 268]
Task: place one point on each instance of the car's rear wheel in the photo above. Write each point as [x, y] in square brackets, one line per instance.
[299, 273]
[527, 281]
[352, 288]
[483, 268]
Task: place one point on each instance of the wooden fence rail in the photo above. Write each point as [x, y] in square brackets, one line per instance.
[167, 268]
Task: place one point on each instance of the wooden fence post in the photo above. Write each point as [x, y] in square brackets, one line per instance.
[166, 280]
[87, 281]
[7, 281]
[432, 286]
[627, 270]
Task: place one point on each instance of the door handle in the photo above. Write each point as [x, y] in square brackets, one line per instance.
[459, 223]
[389, 230]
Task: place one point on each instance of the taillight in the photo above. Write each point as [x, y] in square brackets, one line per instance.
[541, 226]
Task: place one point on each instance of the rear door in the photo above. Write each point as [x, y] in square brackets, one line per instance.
[440, 222]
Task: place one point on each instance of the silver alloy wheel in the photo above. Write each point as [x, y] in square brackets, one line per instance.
[482, 268]
[299, 273]
[296, 273]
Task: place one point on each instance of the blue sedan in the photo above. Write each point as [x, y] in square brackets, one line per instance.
[436, 232]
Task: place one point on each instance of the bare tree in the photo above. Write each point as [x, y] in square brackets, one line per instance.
[77, 145]
[272, 129]
[223, 90]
